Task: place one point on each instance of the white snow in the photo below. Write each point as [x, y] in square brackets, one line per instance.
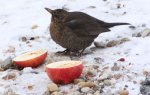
[17, 17]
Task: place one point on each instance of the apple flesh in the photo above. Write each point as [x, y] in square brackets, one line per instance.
[64, 72]
[30, 59]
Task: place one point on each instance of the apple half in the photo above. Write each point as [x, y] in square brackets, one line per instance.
[30, 59]
[64, 72]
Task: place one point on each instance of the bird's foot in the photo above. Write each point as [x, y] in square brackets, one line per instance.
[65, 52]
[76, 53]
[72, 53]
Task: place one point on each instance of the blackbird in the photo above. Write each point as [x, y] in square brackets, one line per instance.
[75, 31]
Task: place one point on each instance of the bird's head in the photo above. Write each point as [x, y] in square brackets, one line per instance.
[58, 14]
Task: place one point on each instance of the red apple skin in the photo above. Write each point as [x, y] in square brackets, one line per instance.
[64, 75]
[35, 62]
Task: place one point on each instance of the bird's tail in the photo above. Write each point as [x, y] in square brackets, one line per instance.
[109, 25]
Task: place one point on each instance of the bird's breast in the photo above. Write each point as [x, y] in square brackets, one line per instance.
[66, 38]
[54, 31]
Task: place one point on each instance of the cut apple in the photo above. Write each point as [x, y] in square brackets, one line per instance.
[30, 59]
[64, 72]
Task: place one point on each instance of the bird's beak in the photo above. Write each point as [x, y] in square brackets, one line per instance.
[49, 10]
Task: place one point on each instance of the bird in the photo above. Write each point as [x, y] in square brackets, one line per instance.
[75, 31]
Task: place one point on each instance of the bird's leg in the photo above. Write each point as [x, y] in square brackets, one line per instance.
[76, 52]
[64, 52]
[80, 53]
[72, 52]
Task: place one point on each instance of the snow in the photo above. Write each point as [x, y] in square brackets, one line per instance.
[19, 16]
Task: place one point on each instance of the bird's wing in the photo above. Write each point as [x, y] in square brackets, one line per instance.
[86, 27]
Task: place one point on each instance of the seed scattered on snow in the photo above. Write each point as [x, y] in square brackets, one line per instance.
[95, 66]
[52, 87]
[90, 74]
[124, 40]
[97, 93]
[89, 94]
[76, 81]
[112, 43]
[30, 87]
[146, 32]
[34, 26]
[123, 92]
[117, 76]
[56, 93]
[87, 84]
[85, 89]
[107, 82]
[105, 75]
[145, 72]
[74, 93]
[99, 44]
[23, 39]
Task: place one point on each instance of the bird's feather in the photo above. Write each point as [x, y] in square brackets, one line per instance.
[84, 25]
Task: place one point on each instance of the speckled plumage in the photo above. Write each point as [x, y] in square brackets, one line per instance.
[76, 31]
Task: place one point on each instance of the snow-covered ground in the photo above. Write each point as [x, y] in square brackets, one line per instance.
[27, 18]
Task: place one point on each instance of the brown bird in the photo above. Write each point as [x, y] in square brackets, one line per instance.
[75, 31]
